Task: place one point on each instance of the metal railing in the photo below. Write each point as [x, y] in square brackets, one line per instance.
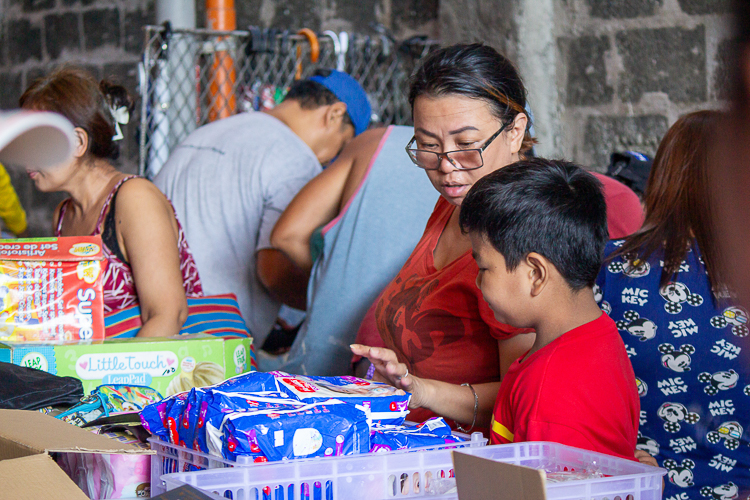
[191, 77]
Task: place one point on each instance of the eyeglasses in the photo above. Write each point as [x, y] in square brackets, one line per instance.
[462, 159]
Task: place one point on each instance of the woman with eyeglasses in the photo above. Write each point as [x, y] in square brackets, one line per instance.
[468, 106]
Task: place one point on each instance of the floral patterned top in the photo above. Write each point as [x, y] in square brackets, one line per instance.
[119, 288]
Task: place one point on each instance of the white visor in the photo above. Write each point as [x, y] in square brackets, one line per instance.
[35, 139]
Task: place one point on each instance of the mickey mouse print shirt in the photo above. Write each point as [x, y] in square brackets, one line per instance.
[691, 359]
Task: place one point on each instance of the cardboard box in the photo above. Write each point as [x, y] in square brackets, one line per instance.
[478, 479]
[51, 289]
[26, 440]
[169, 365]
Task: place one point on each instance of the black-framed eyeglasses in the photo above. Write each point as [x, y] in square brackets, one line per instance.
[462, 159]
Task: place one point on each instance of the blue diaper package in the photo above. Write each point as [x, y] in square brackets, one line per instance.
[331, 428]
[250, 382]
[175, 416]
[433, 432]
[162, 419]
[218, 404]
[154, 418]
[387, 405]
[188, 423]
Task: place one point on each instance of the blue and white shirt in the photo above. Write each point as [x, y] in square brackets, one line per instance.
[692, 365]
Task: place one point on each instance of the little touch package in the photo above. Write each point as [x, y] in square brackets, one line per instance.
[51, 289]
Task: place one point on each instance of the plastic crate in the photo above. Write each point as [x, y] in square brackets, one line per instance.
[171, 458]
[405, 474]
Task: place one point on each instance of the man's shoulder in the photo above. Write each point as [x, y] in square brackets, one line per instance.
[262, 124]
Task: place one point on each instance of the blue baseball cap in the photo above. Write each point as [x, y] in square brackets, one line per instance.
[351, 93]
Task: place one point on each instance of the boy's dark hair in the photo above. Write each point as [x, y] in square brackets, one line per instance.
[310, 94]
[551, 207]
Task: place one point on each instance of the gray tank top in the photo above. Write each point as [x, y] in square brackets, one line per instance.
[363, 250]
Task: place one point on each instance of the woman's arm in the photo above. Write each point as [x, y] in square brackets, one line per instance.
[147, 232]
[513, 348]
[455, 402]
[451, 401]
[319, 202]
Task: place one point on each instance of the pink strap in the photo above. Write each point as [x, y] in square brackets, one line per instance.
[108, 201]
[63, 208]
[102, 214]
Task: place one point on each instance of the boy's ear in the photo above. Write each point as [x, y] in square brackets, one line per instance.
[539, 273]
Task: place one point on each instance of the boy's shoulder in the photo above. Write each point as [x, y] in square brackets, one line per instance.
[592, 355]
[585, 346]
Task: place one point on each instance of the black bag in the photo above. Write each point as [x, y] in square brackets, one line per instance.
[29, 389]
[631, 168]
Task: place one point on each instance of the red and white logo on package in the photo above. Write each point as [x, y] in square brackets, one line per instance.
[300, 385]
[51, 289]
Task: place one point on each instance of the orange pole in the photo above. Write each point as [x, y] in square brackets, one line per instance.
[312, 39]
[221, 16]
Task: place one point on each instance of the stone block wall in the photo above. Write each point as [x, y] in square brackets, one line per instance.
[603, 75]
[403, 17]
[627, 69]
[104, 36]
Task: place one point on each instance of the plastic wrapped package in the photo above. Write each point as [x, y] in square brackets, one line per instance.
[387, 405]
[51, 289]
[217, 405]
[433, 432]
[249, 382]
[332, 428]
[161, 419]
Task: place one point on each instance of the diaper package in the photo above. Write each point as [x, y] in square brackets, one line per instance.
[51, 289]
[160, 419]
[387, 405]
[332, 428]
[433, 432]
[250, 382]
[217, 405]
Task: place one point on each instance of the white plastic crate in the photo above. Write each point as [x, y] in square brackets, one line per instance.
[171, 458]
[403, 475]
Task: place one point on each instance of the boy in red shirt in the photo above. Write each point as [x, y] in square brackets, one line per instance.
[538, 229]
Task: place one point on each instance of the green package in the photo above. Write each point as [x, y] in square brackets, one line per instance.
[169, 365]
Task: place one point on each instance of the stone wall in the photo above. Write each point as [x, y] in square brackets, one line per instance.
[603, 75]
[403, 17]
[104, 36]
[627, 69]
